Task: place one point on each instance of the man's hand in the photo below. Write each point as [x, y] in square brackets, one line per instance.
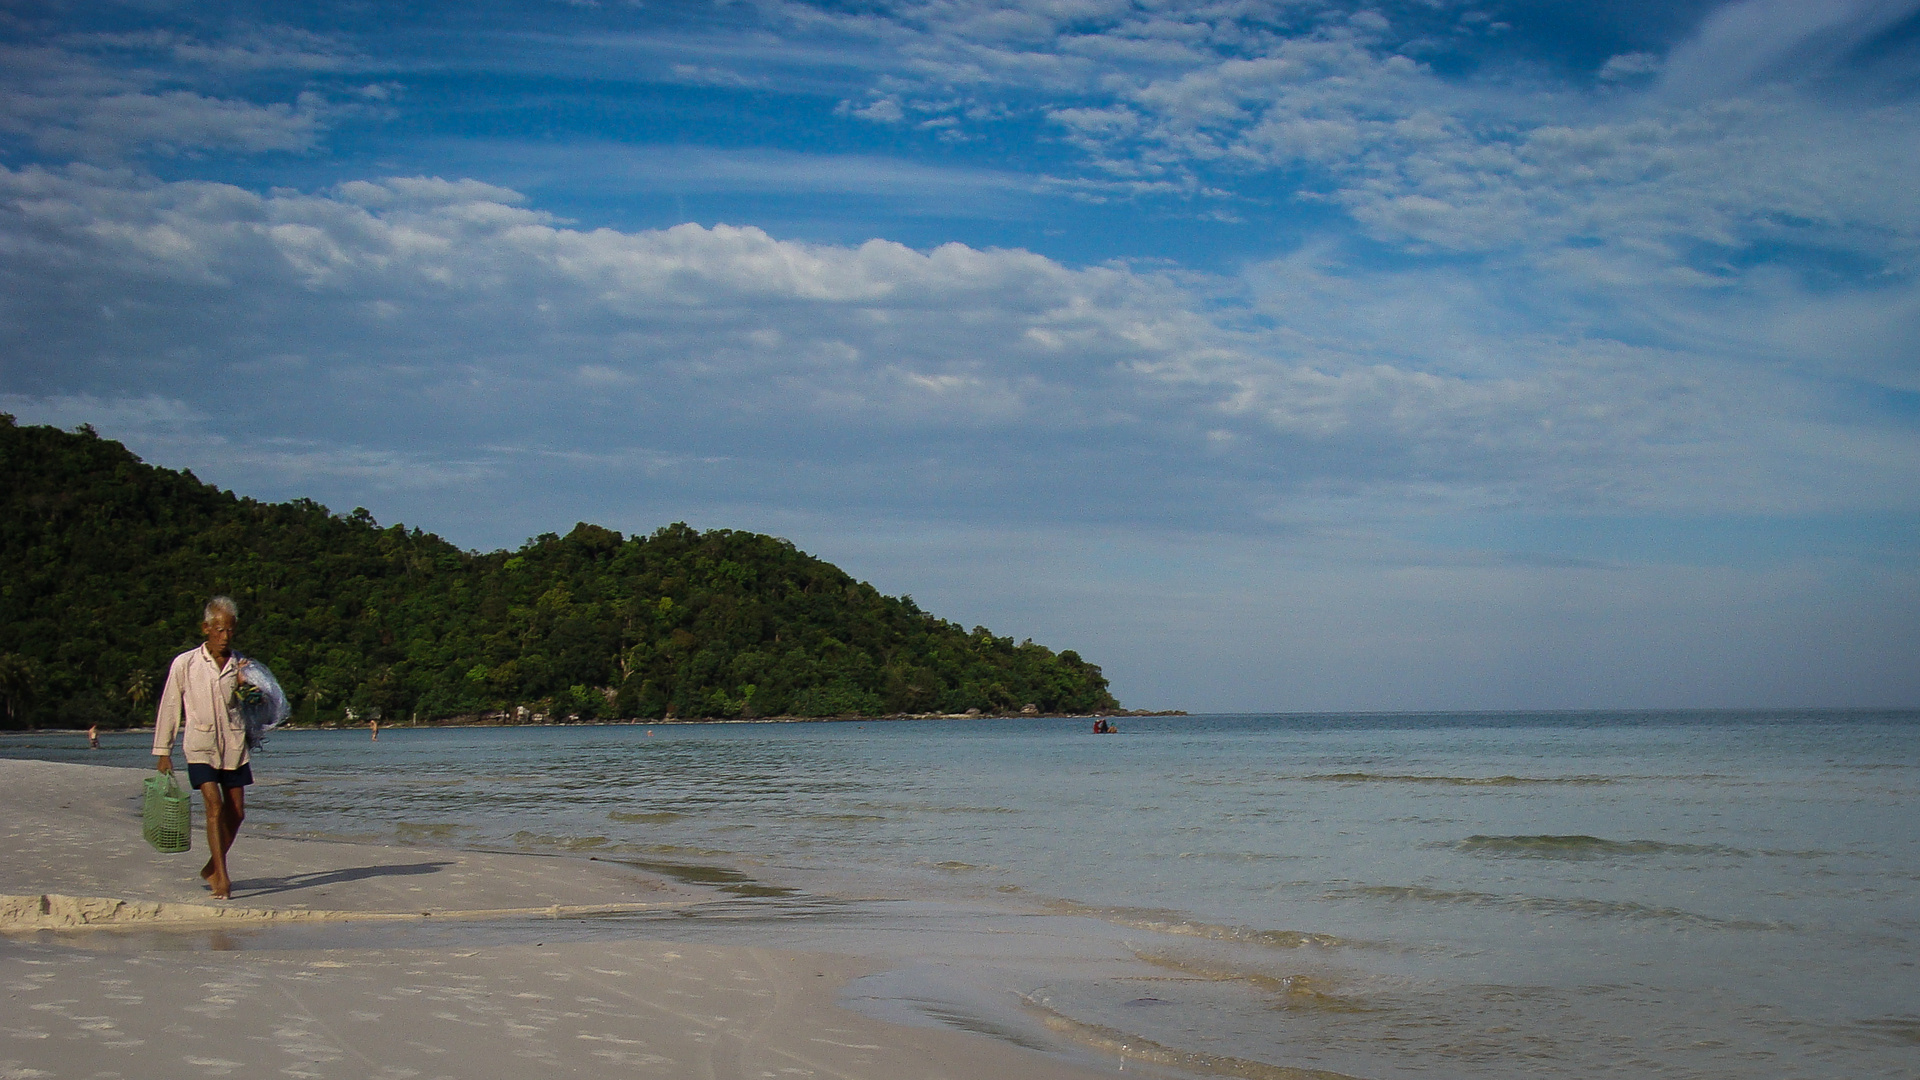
[163, 762]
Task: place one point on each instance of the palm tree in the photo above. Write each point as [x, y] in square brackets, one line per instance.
[315, 692]
[140, 688]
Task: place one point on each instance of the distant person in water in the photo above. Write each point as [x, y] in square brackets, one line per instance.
[199, 701]
[93, 736]
[374, 725]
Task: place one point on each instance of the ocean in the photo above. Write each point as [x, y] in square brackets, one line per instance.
[1686, 894]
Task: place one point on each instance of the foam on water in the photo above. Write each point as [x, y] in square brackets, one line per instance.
[1688, 895]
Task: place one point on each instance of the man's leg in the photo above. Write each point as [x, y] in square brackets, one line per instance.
[226, 809]
[236, 813]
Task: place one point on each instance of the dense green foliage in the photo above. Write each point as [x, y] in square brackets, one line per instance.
[105, 563]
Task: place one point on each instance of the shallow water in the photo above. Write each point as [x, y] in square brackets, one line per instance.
[1686, 895]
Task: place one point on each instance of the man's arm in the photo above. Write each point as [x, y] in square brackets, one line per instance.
[166, 719]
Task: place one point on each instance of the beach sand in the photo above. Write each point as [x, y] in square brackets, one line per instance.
[116, 963]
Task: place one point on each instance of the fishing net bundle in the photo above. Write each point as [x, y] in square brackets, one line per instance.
[263, 705]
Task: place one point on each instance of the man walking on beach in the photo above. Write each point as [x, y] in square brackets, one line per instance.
[199, 699]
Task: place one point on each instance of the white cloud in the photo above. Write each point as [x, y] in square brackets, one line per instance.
[1628, 66]
[78, 107]
[451, 307]
[705, 75]
[1649, 196]
[884, 110]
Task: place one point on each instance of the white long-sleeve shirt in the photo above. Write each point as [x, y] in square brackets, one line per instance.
[196, 697]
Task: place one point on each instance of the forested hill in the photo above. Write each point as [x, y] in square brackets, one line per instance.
[105, 563]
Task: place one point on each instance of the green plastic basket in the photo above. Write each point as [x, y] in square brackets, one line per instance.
[166, 815]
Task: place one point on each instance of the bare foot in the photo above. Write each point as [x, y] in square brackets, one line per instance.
[222, 888]
[206, 872]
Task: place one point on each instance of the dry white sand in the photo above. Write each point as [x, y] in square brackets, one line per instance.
[74, 831]
[92, 989]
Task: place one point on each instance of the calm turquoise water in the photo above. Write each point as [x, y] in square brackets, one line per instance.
[1685, 895]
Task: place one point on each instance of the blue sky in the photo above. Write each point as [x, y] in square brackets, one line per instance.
[1286, 355]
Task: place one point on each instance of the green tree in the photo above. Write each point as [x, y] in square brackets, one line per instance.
[105, 562]
[19, 685]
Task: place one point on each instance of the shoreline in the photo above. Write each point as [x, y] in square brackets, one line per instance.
[359, 1005]
[472, 720]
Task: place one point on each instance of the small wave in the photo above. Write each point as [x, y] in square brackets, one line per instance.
[657, 817]
[1778, 853]
[1130, 1047]
[1173, 922]
[1237, 856]
[563, 843]
[1292, 992]
[411, 832]
[1457, 781]
[932, 808]
[1904, 1030]
[683, 851]
[1581, 847]
[1552, 905]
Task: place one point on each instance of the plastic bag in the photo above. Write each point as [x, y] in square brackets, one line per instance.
[266, 707]
[166, 815]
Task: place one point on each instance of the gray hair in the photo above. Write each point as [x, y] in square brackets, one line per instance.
[221, 605]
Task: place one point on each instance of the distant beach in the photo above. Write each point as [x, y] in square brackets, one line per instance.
[540, 720]
[527, 718]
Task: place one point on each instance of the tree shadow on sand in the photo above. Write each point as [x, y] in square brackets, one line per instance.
[269, 886]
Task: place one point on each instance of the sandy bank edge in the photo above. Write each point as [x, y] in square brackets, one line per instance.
[54, 911]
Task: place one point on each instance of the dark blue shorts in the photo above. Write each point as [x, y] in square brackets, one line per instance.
[200, 776]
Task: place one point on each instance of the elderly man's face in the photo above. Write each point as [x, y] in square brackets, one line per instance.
[219, 631]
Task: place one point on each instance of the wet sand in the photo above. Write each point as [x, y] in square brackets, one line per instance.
[112, 966]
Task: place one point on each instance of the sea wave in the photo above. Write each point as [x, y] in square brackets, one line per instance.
[1162, 921]
[955, 866]
[1458, 781]
[938, 808]
[527, 839]
[1238, 856]
[1581, 847]
[409, 832]
[1132, 1047]
[1297, 991]
[1900, 1030]
[1553, 905]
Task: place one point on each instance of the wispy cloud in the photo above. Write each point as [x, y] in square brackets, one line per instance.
[74, 105]
[1754, 40]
